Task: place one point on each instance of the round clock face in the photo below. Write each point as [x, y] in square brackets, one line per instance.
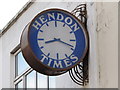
[57, 39]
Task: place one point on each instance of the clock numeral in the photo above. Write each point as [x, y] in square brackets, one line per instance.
[55, 23]
[41, 39]
[48, 54]
[57, 56]
[72, 49]
[64, 25]
[71, 32]
[66, 55]
[72, 40]
[41, 30]
[47, 24]
[41, 47]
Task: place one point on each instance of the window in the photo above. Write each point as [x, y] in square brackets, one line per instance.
[21, 64]
[26, 77]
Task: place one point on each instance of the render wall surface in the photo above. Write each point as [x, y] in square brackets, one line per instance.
[0, 63]
[107, 40]
[103, 32]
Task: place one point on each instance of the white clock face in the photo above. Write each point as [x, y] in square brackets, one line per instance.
[56, 40]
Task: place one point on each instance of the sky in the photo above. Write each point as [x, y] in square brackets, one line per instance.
[8, 9]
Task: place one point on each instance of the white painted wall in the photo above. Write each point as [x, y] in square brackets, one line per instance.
[102, 27]
[0, 63]
[103, 32]
[107, 43]
[93, 55]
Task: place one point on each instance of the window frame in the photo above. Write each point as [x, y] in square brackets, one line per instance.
[22, 77]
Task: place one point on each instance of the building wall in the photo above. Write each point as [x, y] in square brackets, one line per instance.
[93, 55]
[107, 35]
[0, 63]
[102, 27]
[103, 31]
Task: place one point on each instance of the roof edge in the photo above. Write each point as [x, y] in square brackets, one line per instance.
[16, 17]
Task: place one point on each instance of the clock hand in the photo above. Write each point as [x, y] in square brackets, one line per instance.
[59, 41]
[51, 41]
[64, 42]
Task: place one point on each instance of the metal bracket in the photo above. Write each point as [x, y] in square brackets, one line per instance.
[79, 74]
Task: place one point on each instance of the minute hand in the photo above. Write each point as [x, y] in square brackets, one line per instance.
[65, 43]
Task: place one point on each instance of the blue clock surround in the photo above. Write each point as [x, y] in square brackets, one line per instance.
[80, 35]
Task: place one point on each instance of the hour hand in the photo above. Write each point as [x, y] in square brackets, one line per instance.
[50, 41]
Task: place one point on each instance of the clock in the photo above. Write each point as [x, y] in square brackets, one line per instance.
[55, 41]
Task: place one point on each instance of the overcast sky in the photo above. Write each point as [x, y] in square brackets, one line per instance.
[8, 9]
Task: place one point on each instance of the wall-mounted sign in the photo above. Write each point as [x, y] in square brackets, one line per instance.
[54, 42]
